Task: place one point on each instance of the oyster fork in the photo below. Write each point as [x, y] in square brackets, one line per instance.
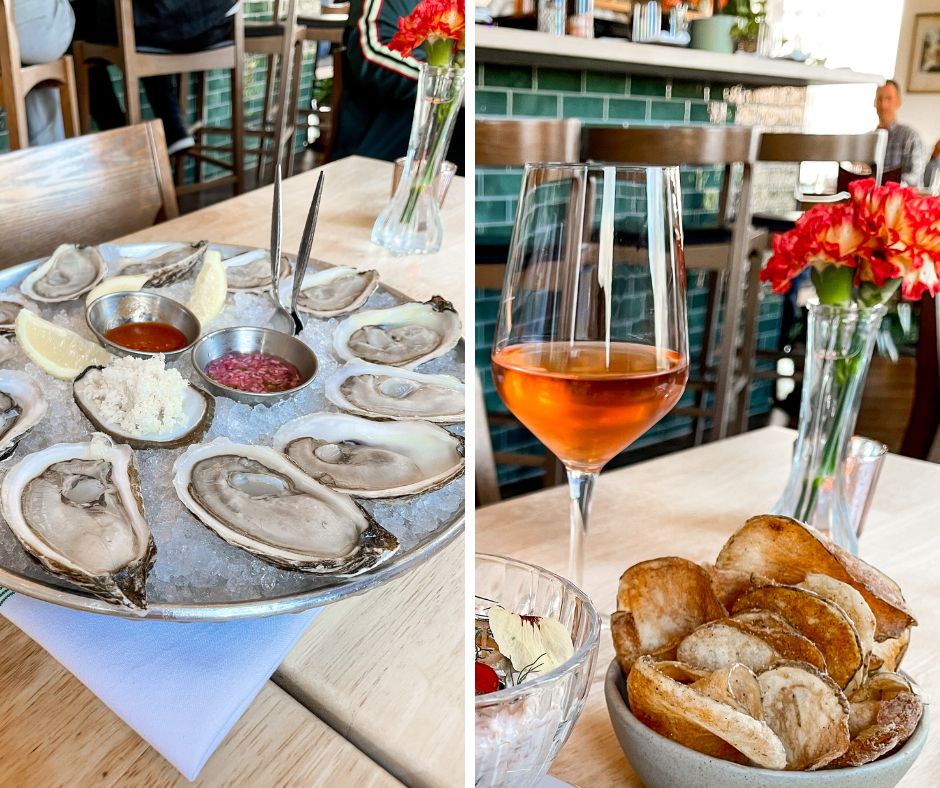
[303, 254]
[277, 230]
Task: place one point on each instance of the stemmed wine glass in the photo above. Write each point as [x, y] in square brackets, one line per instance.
[591, 346]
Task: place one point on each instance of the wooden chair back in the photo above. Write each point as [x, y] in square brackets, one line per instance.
[670, 146]
[507, 143]
[16, 80]
[84, 190]
[794, 148]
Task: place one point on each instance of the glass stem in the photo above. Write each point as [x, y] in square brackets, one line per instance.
[581, 490]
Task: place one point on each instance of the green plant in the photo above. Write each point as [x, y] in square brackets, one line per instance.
[751, 14]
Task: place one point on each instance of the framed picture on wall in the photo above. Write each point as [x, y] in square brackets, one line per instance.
[925, 55]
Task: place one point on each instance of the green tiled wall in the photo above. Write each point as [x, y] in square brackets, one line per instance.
[600, 98]
[218, 90]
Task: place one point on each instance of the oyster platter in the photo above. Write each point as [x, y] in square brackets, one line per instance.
[189, 479]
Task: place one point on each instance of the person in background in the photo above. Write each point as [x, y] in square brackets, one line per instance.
[169, 25]
[380, 87]
[905, 148]
[44, 29]
[932, 169]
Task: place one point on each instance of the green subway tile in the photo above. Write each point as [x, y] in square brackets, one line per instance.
[732, 111]
[667, 110]
[507, 76]
[602, 82]
[687, 179]
[698, 112]
[490, 211]
[582, 107]
[557, 79]
[691, 90]
[691, 201]
[710, 200]
[712, 178]
[626, 109]
[502, 184]
[647, 86]
[489, 102]
[535, 104]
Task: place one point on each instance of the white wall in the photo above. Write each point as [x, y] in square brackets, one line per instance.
[920, 110]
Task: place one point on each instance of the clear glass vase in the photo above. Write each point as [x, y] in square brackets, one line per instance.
[411, 222]
[839, 345]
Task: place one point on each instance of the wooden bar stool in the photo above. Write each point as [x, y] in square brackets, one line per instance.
[136, 64]
[723, 252]
[282, 42]
[512, 143]
[16, 80]
[113, 183]
[794, 148]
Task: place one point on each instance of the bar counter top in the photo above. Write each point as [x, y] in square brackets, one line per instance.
[525, 47]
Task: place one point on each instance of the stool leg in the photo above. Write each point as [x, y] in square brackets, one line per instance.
[68, 97]
[131, 95]
[238, 128]
[84, 94]
[201, 114]
[749, 340]
[708, 350]
[292, 105]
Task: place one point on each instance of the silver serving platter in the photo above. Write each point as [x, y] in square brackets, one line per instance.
[42, 585]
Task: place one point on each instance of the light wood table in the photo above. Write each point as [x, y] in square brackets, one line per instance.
[687, 504]
[373, 692]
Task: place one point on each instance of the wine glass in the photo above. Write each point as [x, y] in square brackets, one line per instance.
[591, 346]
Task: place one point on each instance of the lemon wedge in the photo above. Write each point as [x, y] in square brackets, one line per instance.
[57, 350]
[117, 284]
[208, 298]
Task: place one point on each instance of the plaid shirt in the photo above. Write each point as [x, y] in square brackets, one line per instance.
[905, 151]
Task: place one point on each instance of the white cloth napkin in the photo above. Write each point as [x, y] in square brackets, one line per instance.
[180, 686]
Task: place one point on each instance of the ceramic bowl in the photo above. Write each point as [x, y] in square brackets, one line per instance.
[662, 763]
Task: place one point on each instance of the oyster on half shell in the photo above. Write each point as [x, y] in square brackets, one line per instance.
[372, 459]
[76, 508]
[250, 272]
[336, 291]
[401, 336]
[7, 351]
[198, 409]
[165, 267]
[22, 407]
[255, 498]
[393, 393]
[9, 308]
[69, 272]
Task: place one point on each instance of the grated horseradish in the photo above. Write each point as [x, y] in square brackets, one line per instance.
[140, 395]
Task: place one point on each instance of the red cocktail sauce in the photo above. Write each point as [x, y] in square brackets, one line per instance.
[150, 337]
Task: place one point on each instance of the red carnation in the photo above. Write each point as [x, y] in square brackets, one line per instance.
[438, 23]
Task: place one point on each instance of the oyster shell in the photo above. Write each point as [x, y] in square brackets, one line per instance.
[250, 272]
[9, 308]
[22, 407]
[336, 291]
[372, 459]
[166, 267]
[256, 499]
[77, 509]
[7, 350]
[393, 393]
[69, 272]
[198, 406]
[401, 336]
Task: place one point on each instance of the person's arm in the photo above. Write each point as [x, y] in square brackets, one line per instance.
[913, 161]
[371, 61]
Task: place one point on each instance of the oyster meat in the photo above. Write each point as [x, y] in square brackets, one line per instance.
[71, 271]
[336, 291]
[250, 272]
[167, 266]
[392, 393]
[402, 336]
[198, 408]
[76, 508]
[372, 459]
[22, 407]
[9, 309]
[254, 498]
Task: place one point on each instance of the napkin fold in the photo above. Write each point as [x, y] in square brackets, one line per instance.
[181, 686]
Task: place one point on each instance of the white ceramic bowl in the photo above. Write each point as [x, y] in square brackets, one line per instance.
[662, 763]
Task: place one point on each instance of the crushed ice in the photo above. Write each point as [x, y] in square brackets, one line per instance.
[193, 565]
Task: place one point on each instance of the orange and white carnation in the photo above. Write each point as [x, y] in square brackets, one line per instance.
[438, 25]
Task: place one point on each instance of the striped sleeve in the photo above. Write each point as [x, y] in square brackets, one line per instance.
[377, 52]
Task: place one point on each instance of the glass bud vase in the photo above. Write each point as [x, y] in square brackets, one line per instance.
[411, 222]
[839, 345]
